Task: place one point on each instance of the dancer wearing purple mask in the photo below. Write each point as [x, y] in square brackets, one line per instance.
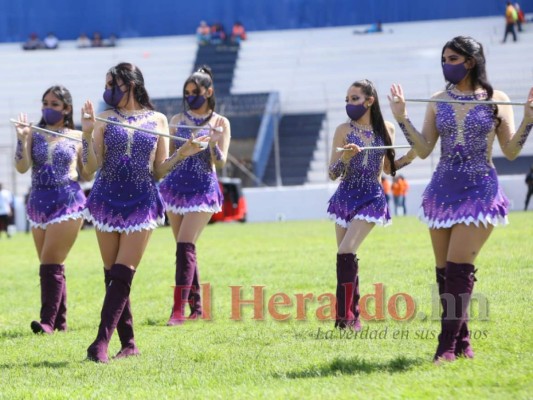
[56, 200]
[359, 202]
[463, 201]
[191, 191]
[124, 204]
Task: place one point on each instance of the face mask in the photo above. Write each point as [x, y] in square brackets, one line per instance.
[111, 98]
[195, 102]
[454, 73]
[51, 116]
[355, 111]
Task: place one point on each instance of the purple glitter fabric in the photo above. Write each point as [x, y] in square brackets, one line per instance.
[360, 194]
[192, 186]
[124, 197]
[54, 197]
[464, 187]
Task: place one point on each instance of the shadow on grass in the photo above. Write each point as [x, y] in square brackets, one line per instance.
[14, 334]
[353, 366]
[41, 364]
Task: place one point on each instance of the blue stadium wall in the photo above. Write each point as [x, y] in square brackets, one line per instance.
[134, 18]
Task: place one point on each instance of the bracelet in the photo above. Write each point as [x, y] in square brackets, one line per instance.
[405, 131]
[337, 169]
[525, 135]
[18, 152]
[85, 150]
[218, 153]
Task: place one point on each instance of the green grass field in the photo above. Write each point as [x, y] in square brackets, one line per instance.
[224, 358]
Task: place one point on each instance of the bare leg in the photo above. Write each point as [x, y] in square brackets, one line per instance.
[192, 226]
[353, 236]
[440, 240]
[58, 240]
[466, 241]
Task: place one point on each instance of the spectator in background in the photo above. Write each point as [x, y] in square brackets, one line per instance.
[399, 190]
[511, 17]
[529, 183]
[386, 189]
[238, 32]
[51, 42]
[218, 34]
[6, 209]
[111, 41]
[520, 17]
[83, 41]
[396, 193]
[203, 33]
[33, 42]
[97, 40]
[374, 28]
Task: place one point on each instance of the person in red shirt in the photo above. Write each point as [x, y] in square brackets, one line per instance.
[238, 32]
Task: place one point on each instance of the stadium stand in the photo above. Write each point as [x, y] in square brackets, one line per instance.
[309, 68]
[222, 59]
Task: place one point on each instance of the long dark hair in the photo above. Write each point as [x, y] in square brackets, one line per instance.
[376, 119]
[131, 75]
[63, 94]
[202, 77]
[471, 49]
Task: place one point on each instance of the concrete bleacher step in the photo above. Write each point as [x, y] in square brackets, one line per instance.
[165, 63]
[311, 70]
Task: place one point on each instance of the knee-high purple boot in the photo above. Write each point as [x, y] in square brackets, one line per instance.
[124, 327]
[356, 297]
[52, 282]
[115, 300]
[185, 267]
[195, 299]
[458, 286]
[61, 318]
[462, 341]
[347, 307]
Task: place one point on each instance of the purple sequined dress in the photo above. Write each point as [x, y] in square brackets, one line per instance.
[124, 197]
[54, 196]
[464, 187]
[360, 194]
[192, 186]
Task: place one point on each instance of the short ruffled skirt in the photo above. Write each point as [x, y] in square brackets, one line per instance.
[184, 193]
[54, 204]
[455, 197]
[359, 203]
[125, 207]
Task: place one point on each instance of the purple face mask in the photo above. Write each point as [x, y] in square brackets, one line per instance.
[195, 102]
[454, 73]
[355, 111]
[113, 98]
[51, 116]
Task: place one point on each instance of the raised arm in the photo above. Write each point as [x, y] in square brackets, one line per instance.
[92, 140]
[83, 173]
[511, 141]
[219, 142]
[23, 160]
[423, 143]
